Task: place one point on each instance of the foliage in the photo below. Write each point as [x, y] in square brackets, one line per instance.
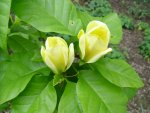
[116, 53]
[139, 11]
[97, 8]
[145, 44]
[4, 17]
[4, 106]
[147, 32]
[143, 25]
[142, 11]
[145, 47]
[146, 1]
[127, 22]
[26, 82]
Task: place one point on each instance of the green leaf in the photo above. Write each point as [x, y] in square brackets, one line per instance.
[97, 95]
[4, 18]
[24, 30]
[4, 107]
[86, 18]
[38, 97]
[15, 73]
[20, 34]
[118, 72]
[130, 92]
[58, 79]
[49, 15]
[114, 24]
[69, 101]
[19, 44]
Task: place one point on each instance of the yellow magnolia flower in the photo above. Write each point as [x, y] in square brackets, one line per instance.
[94, 43]
[57, 55]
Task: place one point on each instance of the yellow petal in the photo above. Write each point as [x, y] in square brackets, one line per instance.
[57, 57]
[43, 52]
[51, 42]
[62, 45]
[82, 46]
[51, 65]
[81, 32]
[93, 47]
[71, 55]
[93, 25]
[47, 60]
[100, 29]
[96, 57]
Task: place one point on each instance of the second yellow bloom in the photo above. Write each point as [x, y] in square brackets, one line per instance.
[94, 43]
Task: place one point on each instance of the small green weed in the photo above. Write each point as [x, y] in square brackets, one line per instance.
[145, 47]
[98, 8]
[116, 53]
[139, 10]
[127, 22]
[142, 25]
[147, 32]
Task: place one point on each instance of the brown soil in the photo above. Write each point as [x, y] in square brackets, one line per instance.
[130, 43]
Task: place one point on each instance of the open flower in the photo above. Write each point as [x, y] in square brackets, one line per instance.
[94, 43]
[57, 55]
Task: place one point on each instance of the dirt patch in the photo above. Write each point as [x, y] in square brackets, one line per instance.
[123, 6]
[130, 43]
[117, 6]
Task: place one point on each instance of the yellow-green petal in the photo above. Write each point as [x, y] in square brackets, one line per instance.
[50, 64]
[43, 52]
[71, 56]
[57, 58]
[51, 42]
[82, 46]
[96, 57]
[100, 29]
[93, 46]
[81, 33]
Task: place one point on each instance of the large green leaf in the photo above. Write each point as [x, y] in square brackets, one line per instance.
[86, 18]
[38, 97]
[15, 73]
[19, 44]
[114, 24]
[49, 15]
[69, 101]
[97, 95]
[24, 30]
[4, 18]
[130, 92]
[118, 72]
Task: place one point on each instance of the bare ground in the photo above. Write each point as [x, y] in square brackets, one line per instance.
[131, 41]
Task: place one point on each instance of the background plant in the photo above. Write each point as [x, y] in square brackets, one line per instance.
[97, 8]
[116, 53]
[145, 47]
[137, 9]
[127, 22]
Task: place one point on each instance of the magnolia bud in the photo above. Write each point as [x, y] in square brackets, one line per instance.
[94, 43]
[57, 55]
